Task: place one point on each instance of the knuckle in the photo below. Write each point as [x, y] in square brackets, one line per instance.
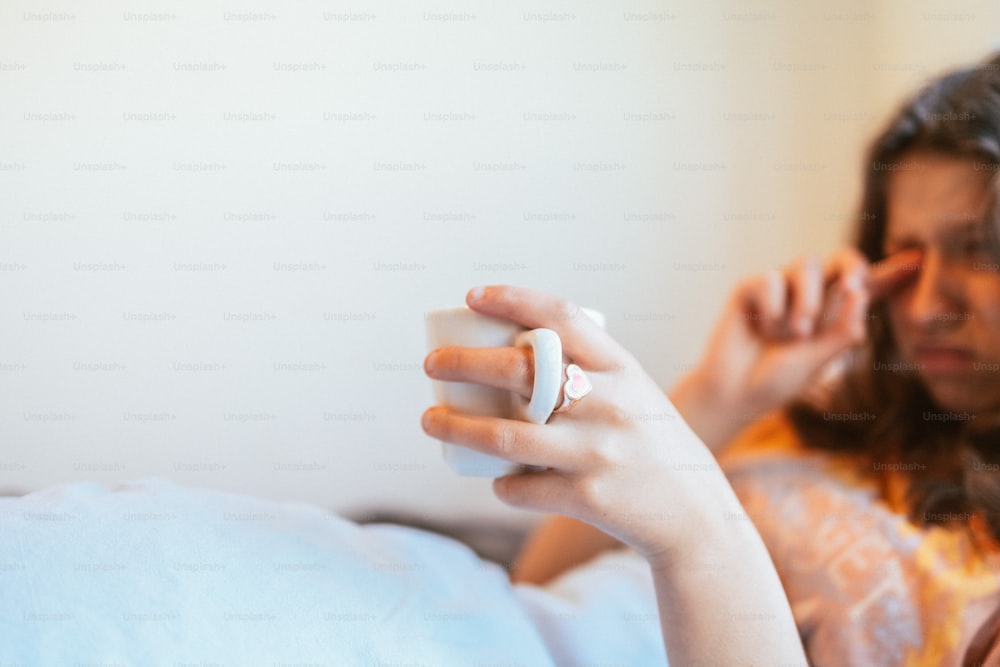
[772, 281]
[772, 291]
[809, 304]
[510, 492]
[762, 292]
[440, 426]
[741, 293]
[450, 360]
[606, 453]
[592, 494]
[520, 364]
[506, 440]
[851, 259]
[568, 312]
[744, 284]
[755, 281]
[757, 286]
[619, 418]
[501, 293]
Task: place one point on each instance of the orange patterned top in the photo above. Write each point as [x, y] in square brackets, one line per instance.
[865, 584]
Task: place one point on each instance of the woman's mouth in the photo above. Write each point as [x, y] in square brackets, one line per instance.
[943, 359]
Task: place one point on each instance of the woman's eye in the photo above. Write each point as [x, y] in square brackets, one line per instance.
[975, 246]
[979, 254]
[972, 252]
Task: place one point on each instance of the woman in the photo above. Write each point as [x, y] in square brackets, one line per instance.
[874, 483]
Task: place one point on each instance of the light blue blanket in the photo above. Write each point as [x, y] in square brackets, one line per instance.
[151, 573]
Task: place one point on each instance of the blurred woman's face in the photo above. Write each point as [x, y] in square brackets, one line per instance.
[946, 318]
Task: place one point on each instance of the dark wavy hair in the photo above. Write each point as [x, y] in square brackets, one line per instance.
[953, 467]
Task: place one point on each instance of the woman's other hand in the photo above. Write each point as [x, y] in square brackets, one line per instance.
[777, 331]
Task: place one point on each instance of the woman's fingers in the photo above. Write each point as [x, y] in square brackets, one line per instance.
[847, 267]
[509, 368]
[761, 300]
[853, 284]
[843, 322]
[807, 299]
[805, 295]
[549, 491]
[784, 304]
[521, 442]
[583, 340]
[894, 271]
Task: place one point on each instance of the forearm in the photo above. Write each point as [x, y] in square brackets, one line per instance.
[721, 601]
[716, 423]
[558, 544]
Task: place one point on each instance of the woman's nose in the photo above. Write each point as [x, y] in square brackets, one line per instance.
[933, 296]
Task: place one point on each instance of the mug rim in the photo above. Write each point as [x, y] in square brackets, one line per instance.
[596, 315]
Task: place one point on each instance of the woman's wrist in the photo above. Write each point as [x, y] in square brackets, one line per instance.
[708, 545]
[713, 524]
[713, 415]
[711, 584]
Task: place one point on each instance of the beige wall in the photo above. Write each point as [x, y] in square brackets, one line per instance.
[321, 172]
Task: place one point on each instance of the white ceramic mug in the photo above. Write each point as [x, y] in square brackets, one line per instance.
[466, 328]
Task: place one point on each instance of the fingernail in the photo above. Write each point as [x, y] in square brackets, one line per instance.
[476, 293]
[429, 362]
[426, 418]
[804, 326]
[853, 282]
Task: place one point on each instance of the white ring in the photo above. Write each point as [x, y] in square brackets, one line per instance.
[547, 348]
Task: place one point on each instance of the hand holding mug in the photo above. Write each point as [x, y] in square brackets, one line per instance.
[455, 330]
[622, 459]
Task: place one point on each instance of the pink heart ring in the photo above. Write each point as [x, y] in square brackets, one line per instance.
[576, 387]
